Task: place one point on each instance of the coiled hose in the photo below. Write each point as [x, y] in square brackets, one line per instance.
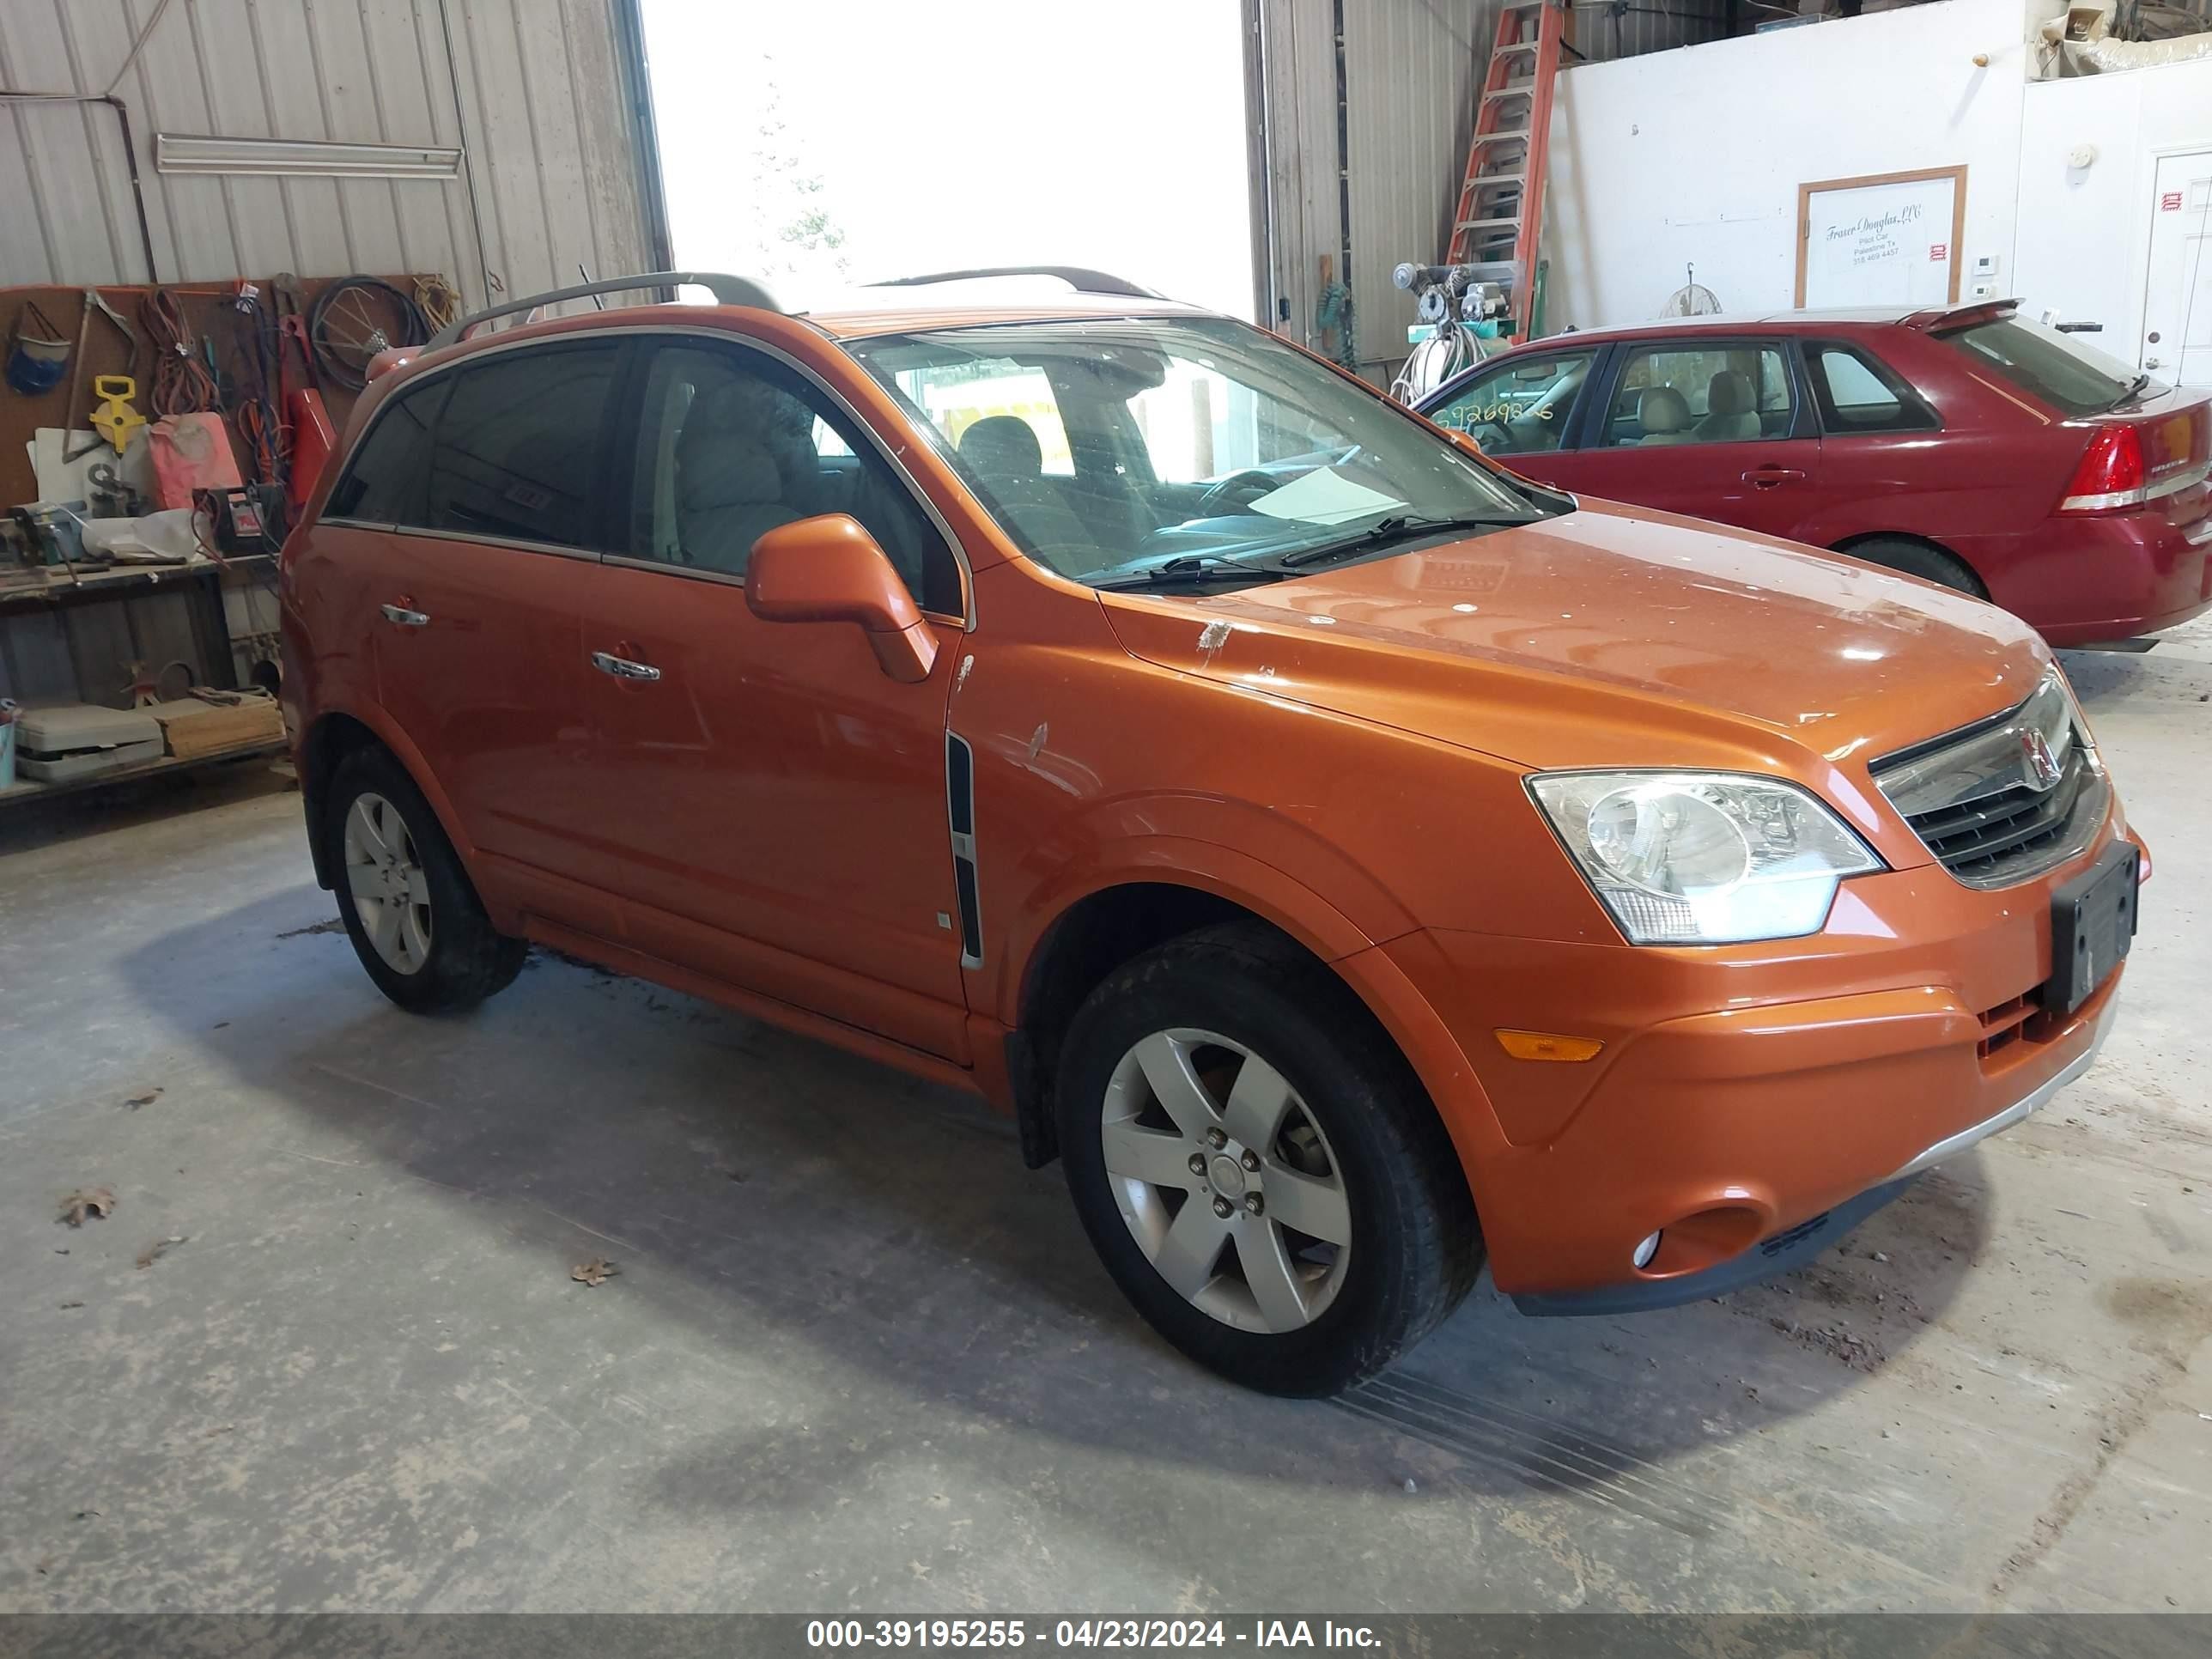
[182, 383]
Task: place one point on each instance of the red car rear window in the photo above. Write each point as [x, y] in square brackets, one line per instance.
[2073, 377]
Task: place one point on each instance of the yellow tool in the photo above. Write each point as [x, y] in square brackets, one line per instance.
[112, 417]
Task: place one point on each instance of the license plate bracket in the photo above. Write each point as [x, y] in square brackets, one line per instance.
[2093, 923]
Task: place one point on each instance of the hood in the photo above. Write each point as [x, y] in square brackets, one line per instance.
[1610, 636]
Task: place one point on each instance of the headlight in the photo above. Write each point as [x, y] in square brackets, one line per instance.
[1703, 858]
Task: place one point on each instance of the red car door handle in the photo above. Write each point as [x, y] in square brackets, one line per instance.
[623, 668]
[1766, 477]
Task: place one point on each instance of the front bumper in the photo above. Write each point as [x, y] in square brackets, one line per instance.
[1743, 1091]
[1798, 1245]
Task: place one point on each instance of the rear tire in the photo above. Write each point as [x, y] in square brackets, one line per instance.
[1293, 1103]
[408, 905]
[1918, 559]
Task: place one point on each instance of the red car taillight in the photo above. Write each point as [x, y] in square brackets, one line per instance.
[2111, 473]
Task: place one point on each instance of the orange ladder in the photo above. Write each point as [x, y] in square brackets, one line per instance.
[1501, 198]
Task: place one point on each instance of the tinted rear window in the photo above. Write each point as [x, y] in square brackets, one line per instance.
[383, 482]
[2072, 378]
[519, 448]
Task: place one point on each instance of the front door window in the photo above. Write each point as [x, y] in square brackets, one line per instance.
[1520, 407]
[732, 445]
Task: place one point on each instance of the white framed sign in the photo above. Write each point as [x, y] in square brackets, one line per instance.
[1886, 239]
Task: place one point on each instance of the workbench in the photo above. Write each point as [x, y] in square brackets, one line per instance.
[25, 790]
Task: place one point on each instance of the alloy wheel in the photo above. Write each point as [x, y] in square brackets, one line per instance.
[1226, 1180]
[387, 884]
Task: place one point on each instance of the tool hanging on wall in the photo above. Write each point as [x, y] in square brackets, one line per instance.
[112, 417]
[257, 408]
[435, 298]
[38, 353]
[291, 334]
[93, 303]
[312, 438]
[182, 384]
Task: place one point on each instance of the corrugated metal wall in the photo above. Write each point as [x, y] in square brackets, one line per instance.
[544, 115]
[1410, 71]
[1299, 52]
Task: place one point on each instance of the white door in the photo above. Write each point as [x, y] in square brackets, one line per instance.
[2177, 301]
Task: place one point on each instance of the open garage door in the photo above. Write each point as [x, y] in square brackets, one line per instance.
[819, 148]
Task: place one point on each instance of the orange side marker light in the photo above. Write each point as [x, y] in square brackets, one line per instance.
[1546, 1045]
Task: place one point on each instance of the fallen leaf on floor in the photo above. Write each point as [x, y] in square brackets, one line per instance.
[66, 1306]
[147, 1099]
[45, 1564]
[218, 1025]
[335, 925]
[158, 1248]
[594, 1272]
[87, 1201]
[87, 1514]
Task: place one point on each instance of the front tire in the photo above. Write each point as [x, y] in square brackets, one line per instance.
[408, 905]
[1257, 1166]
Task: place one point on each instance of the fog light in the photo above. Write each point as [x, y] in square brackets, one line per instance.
[1645, 1251]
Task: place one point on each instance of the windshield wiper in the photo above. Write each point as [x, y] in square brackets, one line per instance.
[1192, 570]
[2134, 386]
[1397, 527]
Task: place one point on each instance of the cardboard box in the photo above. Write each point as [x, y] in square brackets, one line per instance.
[193, 728]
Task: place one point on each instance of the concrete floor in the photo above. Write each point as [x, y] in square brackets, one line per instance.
[858, 1358]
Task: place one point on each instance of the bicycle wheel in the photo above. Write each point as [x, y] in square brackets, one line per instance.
[355, 318]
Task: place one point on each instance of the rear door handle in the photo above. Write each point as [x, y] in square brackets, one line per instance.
[1766, 477]
[402, 617]
[623, 668]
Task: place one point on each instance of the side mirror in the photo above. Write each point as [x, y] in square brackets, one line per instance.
[831, 570]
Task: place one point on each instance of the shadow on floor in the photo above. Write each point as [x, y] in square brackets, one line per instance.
[792, 1199]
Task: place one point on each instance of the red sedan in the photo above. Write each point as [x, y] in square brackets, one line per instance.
[1973, 446]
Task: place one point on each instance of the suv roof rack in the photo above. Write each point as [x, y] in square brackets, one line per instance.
[728, 291]
[1081, 278]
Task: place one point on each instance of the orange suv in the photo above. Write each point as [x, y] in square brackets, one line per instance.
[1351, 860]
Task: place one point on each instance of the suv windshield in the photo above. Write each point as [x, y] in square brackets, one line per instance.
[2071, 377]
[1151, 451]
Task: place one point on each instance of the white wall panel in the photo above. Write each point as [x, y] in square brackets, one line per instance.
[1647, 179]
[543, 115]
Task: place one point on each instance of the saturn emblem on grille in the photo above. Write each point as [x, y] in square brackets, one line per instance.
[2039, 764]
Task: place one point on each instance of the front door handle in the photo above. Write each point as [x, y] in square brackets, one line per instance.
[1766, 477]
[623, 668]
[402, 617]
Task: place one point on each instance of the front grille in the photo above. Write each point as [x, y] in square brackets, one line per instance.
[2005, 799]
[1988, 838]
